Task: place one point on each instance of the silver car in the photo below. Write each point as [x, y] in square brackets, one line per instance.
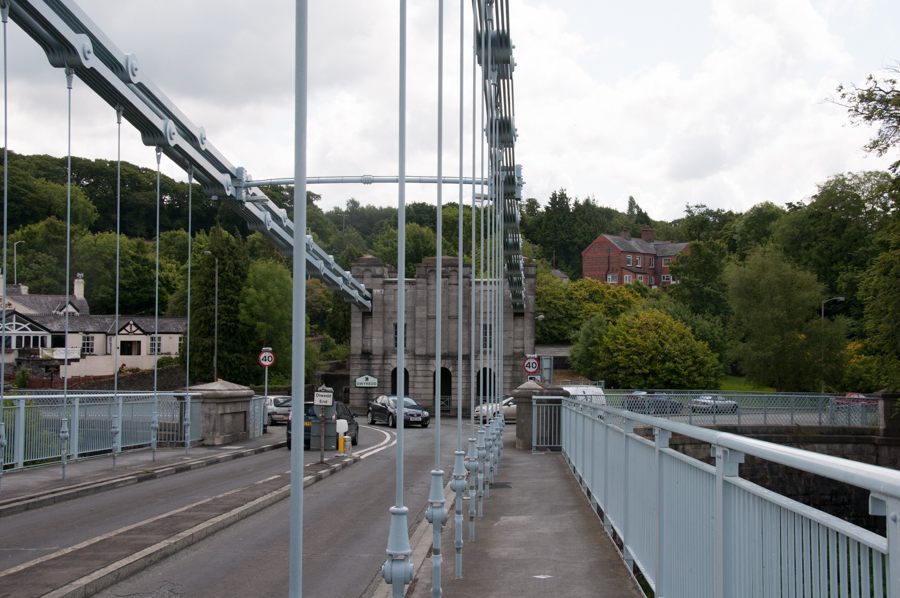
[280, 410]
[713, 404]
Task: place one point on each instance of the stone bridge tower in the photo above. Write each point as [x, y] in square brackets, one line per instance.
[373, 335]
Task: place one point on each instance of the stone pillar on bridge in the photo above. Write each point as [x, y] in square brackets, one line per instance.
[226, 412]
[887, 403]
[524, 409]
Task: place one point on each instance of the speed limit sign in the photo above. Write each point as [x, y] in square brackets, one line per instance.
[531, 365]
[266, 358]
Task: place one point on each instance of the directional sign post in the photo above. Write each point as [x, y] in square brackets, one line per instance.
[324, 396]
[531, 365]
[266, 358]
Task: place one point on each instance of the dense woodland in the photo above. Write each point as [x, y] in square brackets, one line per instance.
[748, 301]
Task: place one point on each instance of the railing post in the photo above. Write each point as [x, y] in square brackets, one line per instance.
[115, 439]
[662, 441]
[893, 538]
[2, 442]
[606, 521]
[187, 419]
[727, 462]
[76, 420]
[628, 429]
[19, 434]
[64, 442]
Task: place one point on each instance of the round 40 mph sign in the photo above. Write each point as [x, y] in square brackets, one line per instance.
[266, 358]
[531, 365]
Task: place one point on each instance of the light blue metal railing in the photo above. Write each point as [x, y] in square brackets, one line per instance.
[696, 530]
[98, 423]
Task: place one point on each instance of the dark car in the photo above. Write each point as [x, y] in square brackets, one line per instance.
[651, 402]
[384, 409]
[311, 418]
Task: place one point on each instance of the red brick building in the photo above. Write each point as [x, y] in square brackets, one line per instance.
[619, 259]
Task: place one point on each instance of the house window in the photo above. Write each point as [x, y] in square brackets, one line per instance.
[637, 261]
[640, 278]
[155, 345]
[612, 278]
[651, 262]
[404, 335]
[652, 280]
[627, 260]
[666, 261]
[180, 343]
[666, 278]
[487, 336]
[130, 348]
[627, 278]
[87, 344]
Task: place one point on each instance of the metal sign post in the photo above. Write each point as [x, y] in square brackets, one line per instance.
[266, 358]
[324, 397]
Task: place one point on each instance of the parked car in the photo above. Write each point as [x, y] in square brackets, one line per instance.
[280, 410]
[641, 401]
[713, 404]
[855, 398]
[509, 409]
[384, 409]
[594, 394]
[311, 418]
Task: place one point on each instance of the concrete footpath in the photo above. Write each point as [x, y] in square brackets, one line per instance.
[538, 537]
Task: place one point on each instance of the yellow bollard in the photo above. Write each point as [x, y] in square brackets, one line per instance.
[340, 442]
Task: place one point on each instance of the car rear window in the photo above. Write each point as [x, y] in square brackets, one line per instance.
[310, 410]
[285, 402]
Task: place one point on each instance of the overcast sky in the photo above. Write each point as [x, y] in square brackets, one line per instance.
[721, 102]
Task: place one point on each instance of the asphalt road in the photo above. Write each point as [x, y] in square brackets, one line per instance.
[345, 528]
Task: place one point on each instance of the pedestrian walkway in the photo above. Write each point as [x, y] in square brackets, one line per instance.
[538, 537]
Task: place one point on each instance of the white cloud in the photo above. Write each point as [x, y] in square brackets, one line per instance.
[721, 105]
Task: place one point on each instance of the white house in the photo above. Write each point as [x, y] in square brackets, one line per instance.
[36, 335]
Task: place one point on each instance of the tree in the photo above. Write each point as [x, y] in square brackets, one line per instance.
[586, 346]
[567, 306]
[778, 332]
[318, 304]
[266, 308]
[878, 292]
[648, 349]
[701, 223]
[420, 243]
[876, 103]
[753, 227]
[236, 343]
[839, 232]
[700, 274]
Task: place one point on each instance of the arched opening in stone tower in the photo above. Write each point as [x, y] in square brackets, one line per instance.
[405, 382]
[446, 386]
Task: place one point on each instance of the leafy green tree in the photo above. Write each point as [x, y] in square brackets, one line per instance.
[566, 306]
[778, 331]
[259, 247]
[337, 323]
[420, 243]
[701, 223]
[701, 278]
[879, 292]
[839, 232]
[266, 309]
[318, 304]
[753, 227]
[33, 199]
[705, 327]
[876, 103]
[236, 350]
[648, 349]
[586, 347]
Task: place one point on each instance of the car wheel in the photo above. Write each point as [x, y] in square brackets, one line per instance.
[391, 423]
[369, 419]
[271, 423]
[354, 440]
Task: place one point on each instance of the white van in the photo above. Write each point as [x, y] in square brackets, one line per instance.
[594, 394]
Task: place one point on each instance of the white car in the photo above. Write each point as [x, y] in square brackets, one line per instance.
[509, 409]
[593, 394]
[713, 404]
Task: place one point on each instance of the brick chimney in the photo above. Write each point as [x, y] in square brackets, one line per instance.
[647, 233]
[79, 287]
[626, 234]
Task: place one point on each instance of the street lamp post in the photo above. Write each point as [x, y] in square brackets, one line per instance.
[16, 263]
[823, 337]
[216, 320]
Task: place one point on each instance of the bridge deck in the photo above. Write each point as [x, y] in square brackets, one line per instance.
[536, 523]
